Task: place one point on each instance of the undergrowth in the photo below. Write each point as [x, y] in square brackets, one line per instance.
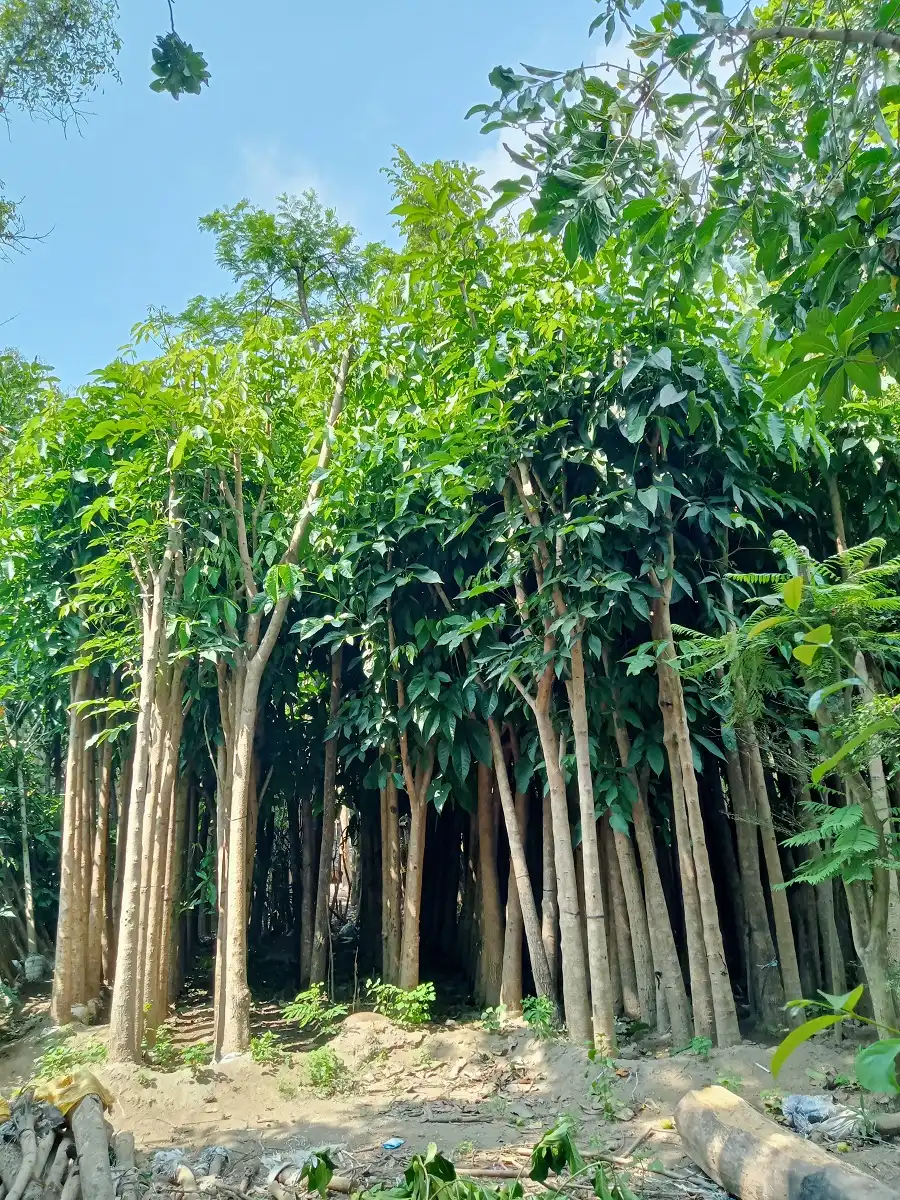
[63, 1058]
[265, 1049]
[327, 1072]
[313, 1009]
[540, 1016]
[405, 1007]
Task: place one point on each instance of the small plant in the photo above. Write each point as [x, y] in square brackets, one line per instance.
[286, 1088]
[327, 1072]
[875, 1065]
[63, 1057]
[493, 1020]
[197, 1056]
[540, 1016]
[772, 1101]
[145, 1080]
[265, 1049]
[463, 1150]
[405, 1007]
[161, 1053]
[700, 1047]
[313, 1009]
[602, 1086]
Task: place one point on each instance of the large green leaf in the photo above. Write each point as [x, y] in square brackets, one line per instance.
[798, 1036]
[876, 1066]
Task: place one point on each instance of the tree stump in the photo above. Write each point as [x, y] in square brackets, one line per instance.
[89, 1129]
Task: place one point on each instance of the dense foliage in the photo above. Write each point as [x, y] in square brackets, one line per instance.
[518, 602]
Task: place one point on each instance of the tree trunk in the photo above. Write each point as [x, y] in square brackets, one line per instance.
[417, 785]
[326, 851]
[391, 914]
[672, 999]
[511, 980]
[97, 922]
[308, 909]
[27, 889]
[678, 746]
[126, 1017]
[603, 1019]
[621, 928]
[766, 993]
[574, 975]
[66, 947]
[491, 909]
[755, 782]
[549, 905]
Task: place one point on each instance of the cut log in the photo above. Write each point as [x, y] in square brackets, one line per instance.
[754, 1159]
[53, 1185]
[89, 1130]
[123, 1147]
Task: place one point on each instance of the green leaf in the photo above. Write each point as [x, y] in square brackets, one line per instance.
[648, 497]
[793, 592]
[775, 426]
[820, 636]
[845, 1003]
[800, 1035]
[874, 727]
[876, 1066]
[570, 242]
[768, 623]
[683, 44]
[822, 694]
[639, 208]
[805, 654]
[631, 370]
[191, 578]
[180, 446]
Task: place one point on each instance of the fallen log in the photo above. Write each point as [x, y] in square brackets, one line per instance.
[92, 1144]
[754, 1159]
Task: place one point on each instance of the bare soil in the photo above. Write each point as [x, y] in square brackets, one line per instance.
[485, 1098]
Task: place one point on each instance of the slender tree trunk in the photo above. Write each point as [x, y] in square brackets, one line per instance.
[678, 745]
[417, 785]
[659, 922]
[326, 852]
[549, 904]
[511, 980]
[603, 1019]
[296, 858]
[755, 783]
[97, 919]
[574, 974]
[85, 843]
[491, 909]
[66, 947]
[308, 889]
[763, 978]
[621, 928]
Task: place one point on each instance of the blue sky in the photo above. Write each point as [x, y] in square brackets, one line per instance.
[304, 93]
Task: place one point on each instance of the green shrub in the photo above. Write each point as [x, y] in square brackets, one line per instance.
[540, 1016]
[327, 1072]
[405, 1007]
[494, 1019]
[197, 1056]
[265, 1049]
[161, 1052]
[63, 1057]
[699, 1046]
[313, 1009]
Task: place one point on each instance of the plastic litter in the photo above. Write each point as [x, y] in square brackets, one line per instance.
[820, 1114]
[393, 1143]
[165, 1163]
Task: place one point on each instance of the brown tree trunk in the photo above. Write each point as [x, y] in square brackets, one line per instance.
[491, 910]
[326, 852]
[97, 922]
[574, 974]
[621, 928]
[659, 921]
[308, 888]
[755, 782]
[549, 904]
[763, 978]
[603, 1019]
[390, 882]
[417, 785]
[511, 978]
[678, 746]
[67, 948]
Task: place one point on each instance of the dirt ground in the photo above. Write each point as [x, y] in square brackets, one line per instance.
[484, 1098]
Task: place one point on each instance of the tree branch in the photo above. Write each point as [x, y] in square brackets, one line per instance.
[877, 38]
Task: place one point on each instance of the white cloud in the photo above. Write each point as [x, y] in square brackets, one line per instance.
[266, 171]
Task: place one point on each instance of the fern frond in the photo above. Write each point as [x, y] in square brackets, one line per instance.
[882, 571]
[856, 558]
[761, 577]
